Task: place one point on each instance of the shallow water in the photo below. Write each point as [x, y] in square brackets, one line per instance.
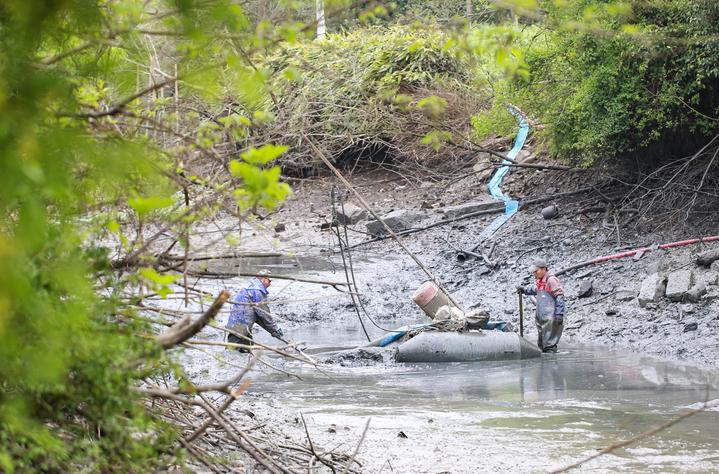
[520, 416]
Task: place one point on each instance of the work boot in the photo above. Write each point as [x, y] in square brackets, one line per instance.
[552, 349]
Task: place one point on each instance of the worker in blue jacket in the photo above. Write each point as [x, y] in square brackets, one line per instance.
[249, 306]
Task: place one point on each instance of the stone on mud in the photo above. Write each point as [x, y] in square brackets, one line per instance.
[705, 259]
[550, 212]
[452, 212]
[350, 214]
[678, 284]
[652, 289]
[691, 327]
[696, 292]
[586, 288]
[657, 266]
[711, 277]
[398, 221]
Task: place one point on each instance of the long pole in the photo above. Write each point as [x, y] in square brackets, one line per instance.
[521, 314]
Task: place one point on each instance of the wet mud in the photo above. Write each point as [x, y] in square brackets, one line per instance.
[521, 416]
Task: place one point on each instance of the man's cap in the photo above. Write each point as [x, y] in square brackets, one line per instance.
[537, 264]
[264, 273]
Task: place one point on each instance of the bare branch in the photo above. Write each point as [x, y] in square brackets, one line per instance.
[185, 329]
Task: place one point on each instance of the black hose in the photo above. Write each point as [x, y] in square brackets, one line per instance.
[333, 218]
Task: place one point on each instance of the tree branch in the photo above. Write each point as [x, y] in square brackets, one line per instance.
[184, 329]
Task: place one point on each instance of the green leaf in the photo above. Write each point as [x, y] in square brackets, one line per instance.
[262, 155]
[144, 206]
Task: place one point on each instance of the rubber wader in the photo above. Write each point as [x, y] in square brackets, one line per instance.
[549, 328]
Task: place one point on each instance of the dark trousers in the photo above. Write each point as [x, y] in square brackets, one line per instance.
[247, 340]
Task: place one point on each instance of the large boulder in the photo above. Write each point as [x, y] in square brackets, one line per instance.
[398, 221]
[349, 213]
[652, 289]
[705, 259]
[678, 284]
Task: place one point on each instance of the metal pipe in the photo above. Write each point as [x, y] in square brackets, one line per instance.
[520, 296]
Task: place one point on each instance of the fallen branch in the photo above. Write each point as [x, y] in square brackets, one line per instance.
[354, 454]
[185, 329]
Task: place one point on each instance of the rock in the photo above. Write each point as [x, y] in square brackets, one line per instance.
[611, 312]
[711, 277]
[687, 308]
[327, 225]
[691, 327]
[714, 266]
[452, 212]
[652, 289]
[586, 288]
[696, 292]
[398, 221]
[551, 191]
[705, 259]
[678, 284]
[625, 295]
[711, 295]
[350, 214]
[483, 270]
[280, 228]
[550, 212]
[657, 266]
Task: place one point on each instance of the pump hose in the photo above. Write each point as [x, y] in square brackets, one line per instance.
[347, 264]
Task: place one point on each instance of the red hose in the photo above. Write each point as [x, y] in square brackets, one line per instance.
[631, 253]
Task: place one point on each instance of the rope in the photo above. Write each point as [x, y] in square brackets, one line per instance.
[350, 284]
[378, 218]
[345, 247]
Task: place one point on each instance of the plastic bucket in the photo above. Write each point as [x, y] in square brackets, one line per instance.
[430, 298]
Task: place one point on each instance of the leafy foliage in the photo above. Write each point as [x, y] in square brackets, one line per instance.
[615, 79]
[354, 91]
[84, 153]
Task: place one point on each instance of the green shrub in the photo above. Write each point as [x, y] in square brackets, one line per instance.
[610, 83]
[373, 88]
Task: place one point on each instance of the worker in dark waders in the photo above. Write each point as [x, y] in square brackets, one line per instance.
[249, 306]
[549, 294]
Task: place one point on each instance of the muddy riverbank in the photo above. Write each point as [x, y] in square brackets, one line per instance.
[611, 315]
[457, 417]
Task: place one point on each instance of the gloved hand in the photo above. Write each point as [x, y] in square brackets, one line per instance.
[278, 334]
[520, 289]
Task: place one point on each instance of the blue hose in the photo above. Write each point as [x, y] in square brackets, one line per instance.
[510, 205]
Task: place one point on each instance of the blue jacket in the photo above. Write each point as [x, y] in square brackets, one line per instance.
[249, 307]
